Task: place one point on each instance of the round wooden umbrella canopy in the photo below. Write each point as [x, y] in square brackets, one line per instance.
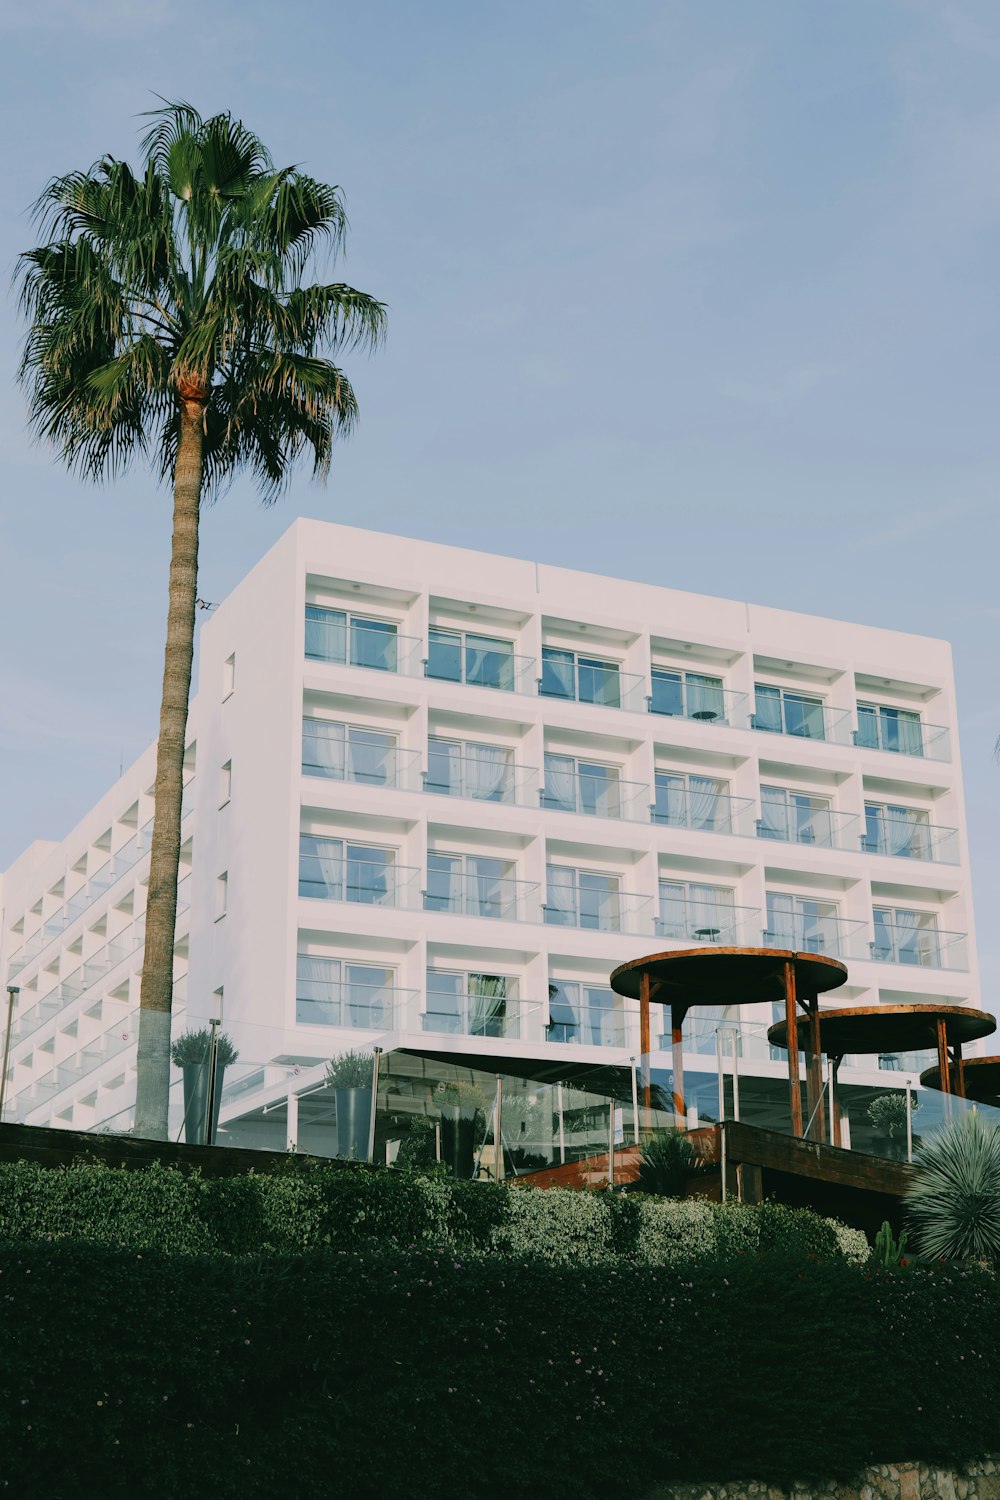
[982, 1079]
[732, 976]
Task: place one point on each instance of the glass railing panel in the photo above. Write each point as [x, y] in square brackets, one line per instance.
[504, 671]
[918, 947]
[833, 936]
[350, 1006]
[727, 926]
[496, 897]
[478, 779]
[595, 1026]
[474, 1015]
[912, 839]
[375, 647]
[702, 812]
[903, 736]
[366, 885]
[820, 827]
[365, 765]
[703, 704]
[596, 796]
[613, 911]
[600, 684]
[802, 720]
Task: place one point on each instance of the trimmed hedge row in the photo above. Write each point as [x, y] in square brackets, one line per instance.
[161, 1208]
[379, 1374]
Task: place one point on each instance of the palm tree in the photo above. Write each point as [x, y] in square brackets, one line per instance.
[169, 316]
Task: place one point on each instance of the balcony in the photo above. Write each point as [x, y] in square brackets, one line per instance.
[482, 779]
[369, 644]
[923, 947]
[819, 827]
[498, 898]
[351, 1006]
[595, 1026]
[803, 719]
[834, 937]
[475, 1015]
[587, 681]
[702, 812]
[600, 911]
[699, 922]
[703, 703]
[482, 666]
[361, 758]
[888, 729]
[907, 838]
[323, 879]
[595, 796]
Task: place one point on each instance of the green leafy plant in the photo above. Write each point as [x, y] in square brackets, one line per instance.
[196, 1046]
[888, 1113]
[351, 1070]
[887, 1252]
[954, 1205]
[665, 1159]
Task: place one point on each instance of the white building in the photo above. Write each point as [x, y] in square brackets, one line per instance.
[436, 796]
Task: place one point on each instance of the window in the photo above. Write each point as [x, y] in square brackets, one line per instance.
[458, 768]
[905, 937]
[347, 752]
[334, 635]
[474, 885]
[481, 660]
[582, 786]
[800, 923]
[795, 817]
[228, 675]
[700, 802]
[221, 894]
[226, 786]
[703, 912]
[688, 695]
[330, 992]
[781, 712]
[588, 679]
[583, 898]
[900, 831]
[338, 870]
[470, 1004]
[580, 1012]
[883, 728]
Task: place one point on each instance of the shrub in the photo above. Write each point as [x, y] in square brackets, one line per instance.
[351, 1070]
[954, 1205]
[196, 1047]
[665, 1159]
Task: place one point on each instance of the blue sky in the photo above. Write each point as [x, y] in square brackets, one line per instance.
[700, 292]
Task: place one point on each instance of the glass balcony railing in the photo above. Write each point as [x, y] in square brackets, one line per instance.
[375, 884]
[906, 838]
[702, 812]
[481, 779]
[474, 1015]
[924, 947]
[802, 719]
[891, 731]
[834, 937]
[703, 703]
[819, 827]
[481, 666]
[596, 682]
[691, 922]
[600, 911]
[595, 796]
[595, 1026]
[357, 644]
[104, 877]
[360, 1007]
[498, 898]
[360, 759]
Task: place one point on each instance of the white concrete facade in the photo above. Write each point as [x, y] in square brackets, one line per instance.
[594, 769]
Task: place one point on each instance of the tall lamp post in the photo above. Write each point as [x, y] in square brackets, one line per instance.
[13, 990]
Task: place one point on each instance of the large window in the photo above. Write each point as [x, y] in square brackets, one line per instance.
[589, 679]
[459, 768]
[580, 1012]
[339, 870]
[583, 786]
[905, 937]
[688, 910]
[473, 885]
[347, 752]
[470, 1004]
[884, 728]
[688, 695]
[795, 817]
[330, 992]
[780, 712]
[700, 802]
[900, 831]
[799, 922]
[459, 656]
[583, 898]
[335, 635]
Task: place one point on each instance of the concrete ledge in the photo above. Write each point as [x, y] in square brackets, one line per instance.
[978, 1481]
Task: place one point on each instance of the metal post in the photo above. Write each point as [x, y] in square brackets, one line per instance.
[645, 1044]
[611, 1144]
[562, 1129]
[720, 1072]
[833, 1103]
[909, 1124]
[213, 1052]
[677, 1013]
[635, 1100]
[792, 1039]
[735, 1037]
[498, 1132]
[722, 1157]
[292, 1122]
[376, 1059]
[12, 991]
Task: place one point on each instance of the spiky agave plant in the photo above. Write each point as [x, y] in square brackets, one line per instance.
[954, 1205]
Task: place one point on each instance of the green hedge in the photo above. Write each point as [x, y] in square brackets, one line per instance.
[367, 1375]
[349, 1208]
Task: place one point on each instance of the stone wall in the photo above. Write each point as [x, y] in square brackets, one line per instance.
[979, 1481]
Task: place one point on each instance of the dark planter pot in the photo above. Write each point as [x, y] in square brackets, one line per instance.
[196, 1101]
[458, 1138]
[354, 1118]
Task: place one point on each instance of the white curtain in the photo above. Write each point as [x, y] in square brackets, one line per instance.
[326, 633]
[673, 913]
[561, 900]
[767, 709]
[773, 813]
[704, 696]
[706, 807]
[560, 782]
[323, 748]
[709, 906]
[323, 867]
[564, 1010]
[487, 772]
[318, 990]
[558, 673]
[487, 1004]
[671, 800]
[910, 733]
[911, 944]
[899, 831]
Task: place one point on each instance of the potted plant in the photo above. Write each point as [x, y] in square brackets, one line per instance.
[350, 1077]
[887, 1114]
[191, 1053]
[461, 1105]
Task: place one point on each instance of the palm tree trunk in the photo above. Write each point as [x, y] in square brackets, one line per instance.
[156, 992]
